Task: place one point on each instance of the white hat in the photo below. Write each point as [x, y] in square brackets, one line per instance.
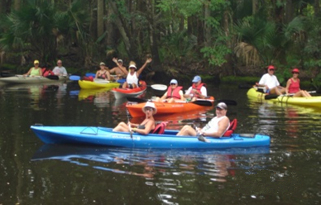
[120, 60]
[174, 81]
[150, 104]
[222, 106]
[132, 66]
[101, 63]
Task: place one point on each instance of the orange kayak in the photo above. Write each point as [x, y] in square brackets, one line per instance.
[164, 108]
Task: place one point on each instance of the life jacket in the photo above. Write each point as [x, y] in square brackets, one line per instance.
[198, 88]
[46, 72]
[294, 86]
[174, 93]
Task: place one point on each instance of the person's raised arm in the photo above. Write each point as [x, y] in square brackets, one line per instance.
[142, 68]
[121, 67]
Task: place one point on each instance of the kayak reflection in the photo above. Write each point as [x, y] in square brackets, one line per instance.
[215, 163]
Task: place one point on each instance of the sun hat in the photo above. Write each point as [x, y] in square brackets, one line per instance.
[102, 63]
[151, 105]
[295, 70]
[36, 62]
[174, 81]
[271, 67]
[196, 79]
[132, 66]
[222, 106]
[120, 60]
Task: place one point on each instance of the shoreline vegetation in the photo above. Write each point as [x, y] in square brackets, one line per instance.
[212, 38]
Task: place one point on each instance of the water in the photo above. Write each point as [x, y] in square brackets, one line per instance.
[288, 172]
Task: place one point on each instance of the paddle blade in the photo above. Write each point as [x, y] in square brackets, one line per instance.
[159, 87]
[203, 103]
[74, 77]
[228, 102]
[138, 100]
[270, 96]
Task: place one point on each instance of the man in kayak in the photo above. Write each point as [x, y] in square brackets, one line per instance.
[133, 74]
[197, 90]
[173, 93]
[270, 82]
[59, 70]
[119, 72]
[34, 71]
[293, 85]
[103, 73]
[216, 127]
[143, 128]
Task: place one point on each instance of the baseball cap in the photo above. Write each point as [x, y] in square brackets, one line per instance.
[132, 66]
[271, 67]
[222, 106]
[295, 70]
[36, 62]
[120, 60]
[102, 63]
[196, 79]
[174, 81]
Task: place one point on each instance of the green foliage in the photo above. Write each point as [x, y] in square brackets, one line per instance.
[239, 79]
[216, 54]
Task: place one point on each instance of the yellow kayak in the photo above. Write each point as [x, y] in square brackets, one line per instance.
[307, 101]
[85, 84]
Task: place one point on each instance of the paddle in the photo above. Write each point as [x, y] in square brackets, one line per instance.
[74, 77]
[197, 102]
[227, 102]
[273, 96]
[199, 136]
[159, 87]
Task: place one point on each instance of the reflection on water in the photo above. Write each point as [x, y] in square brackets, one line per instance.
[217, 164]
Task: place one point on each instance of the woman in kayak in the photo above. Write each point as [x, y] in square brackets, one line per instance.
[103, 73]
[173, 93]
[143, 128]
[216, 127]
[133, 74]
[293, 85]
[34, 71]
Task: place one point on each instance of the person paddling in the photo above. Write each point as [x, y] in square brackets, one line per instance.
[270, 82]
[34, 71]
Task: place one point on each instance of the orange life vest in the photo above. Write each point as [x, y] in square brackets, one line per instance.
[174, 93]
[198, 88]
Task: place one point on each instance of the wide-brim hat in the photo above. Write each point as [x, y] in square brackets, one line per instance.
[151, 105]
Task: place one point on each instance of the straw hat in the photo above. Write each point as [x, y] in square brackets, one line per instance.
[151, 105]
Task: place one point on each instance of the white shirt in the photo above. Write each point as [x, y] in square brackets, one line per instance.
[60, 71]
[269, 80]
[212, 125]
[132, 78]
[203, 91]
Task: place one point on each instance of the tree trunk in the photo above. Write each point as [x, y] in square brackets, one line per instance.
[100, 17]
[316, 8]
[288, 11]
[254, 6]
[17, 4]
[207, 27]
[111, 38]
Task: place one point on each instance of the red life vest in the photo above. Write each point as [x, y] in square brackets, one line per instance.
[198, 88]
[174, 93]
[46, 72]
[294, 86]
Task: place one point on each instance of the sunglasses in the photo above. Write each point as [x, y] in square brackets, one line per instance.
[271, 69]
[173, 84]
[295, 73]
[148, 109]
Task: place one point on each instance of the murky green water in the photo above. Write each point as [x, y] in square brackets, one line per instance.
[33, 173]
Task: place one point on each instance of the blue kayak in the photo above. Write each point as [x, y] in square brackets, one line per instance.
[105, 136]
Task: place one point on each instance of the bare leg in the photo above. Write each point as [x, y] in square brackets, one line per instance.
[187, 130]
[305, 93]
[121, 127]
[125, 85]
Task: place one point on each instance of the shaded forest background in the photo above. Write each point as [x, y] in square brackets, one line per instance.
[209, 37]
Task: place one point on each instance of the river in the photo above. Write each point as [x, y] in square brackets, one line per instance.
[287, 172]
